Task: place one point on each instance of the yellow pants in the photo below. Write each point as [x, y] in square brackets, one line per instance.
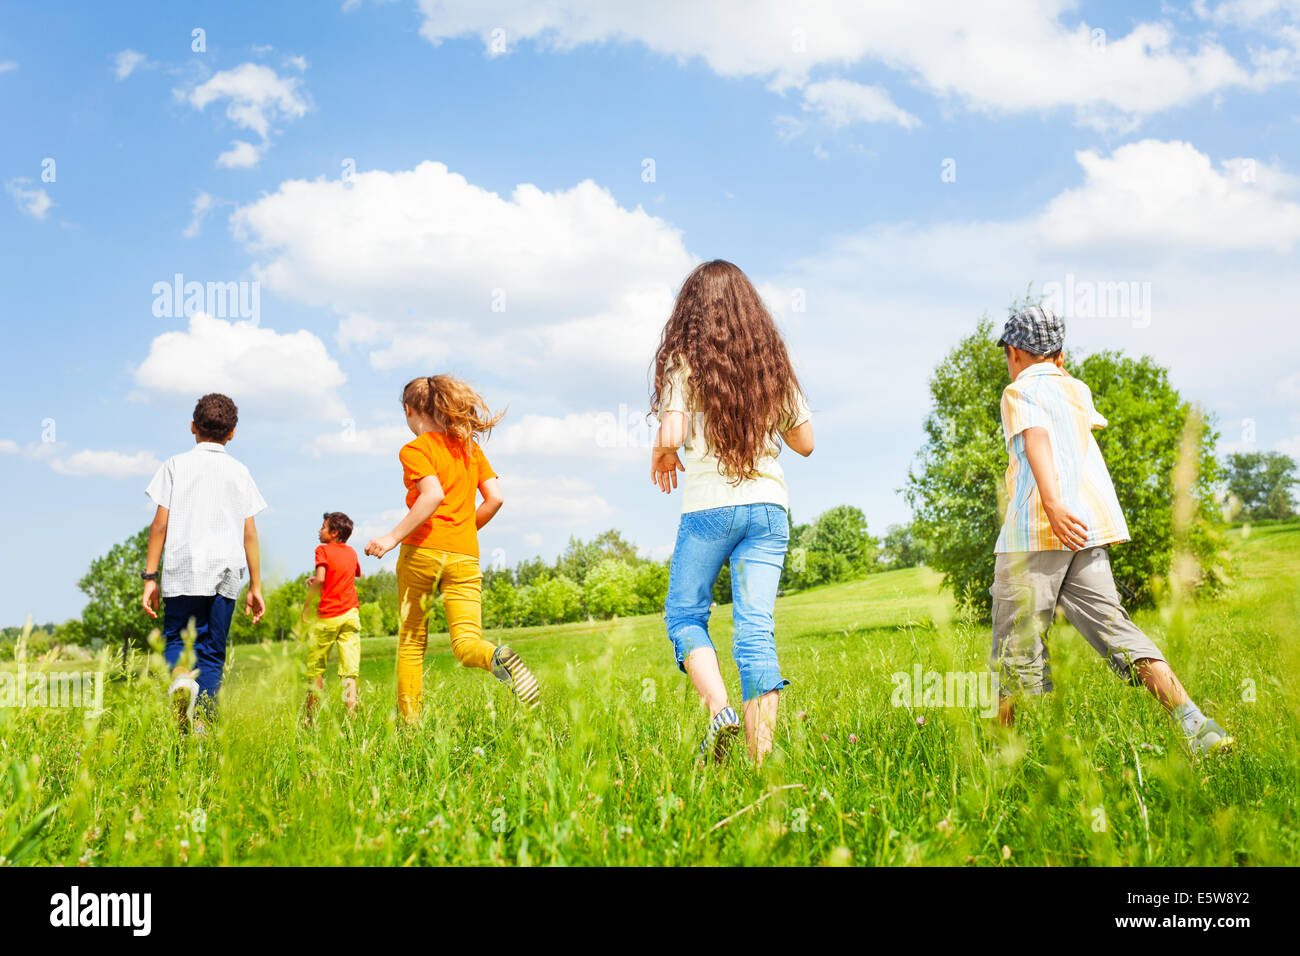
[343, 630]
[457, 576]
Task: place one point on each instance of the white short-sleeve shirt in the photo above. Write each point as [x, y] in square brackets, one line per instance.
[704, 486]
[208, 495]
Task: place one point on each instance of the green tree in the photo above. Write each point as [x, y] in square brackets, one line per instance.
[113, 588]
[1146, 418]
[381, 588]
[835, 547]
[372, 620]
[577, 559]
[722, 586]
[955, 485]
[842, 531]
[528, 608]
[500, 603]
[612, 544]
[609, 589]
[72, 631]
[531, 572]
[436, 609]
[557, 600]
[1262, 482]
[282, 620]
[650, 585]
[957, 481]
[903, 547]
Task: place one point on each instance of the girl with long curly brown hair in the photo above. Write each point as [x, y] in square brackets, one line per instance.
[725, 392]
[444, 470]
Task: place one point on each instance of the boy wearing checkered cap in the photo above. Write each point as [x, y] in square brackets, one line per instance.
[1062, 515]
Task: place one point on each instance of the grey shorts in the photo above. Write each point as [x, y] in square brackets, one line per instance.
[1029, 586]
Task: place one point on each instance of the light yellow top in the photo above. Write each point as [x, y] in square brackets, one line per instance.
[703, 485]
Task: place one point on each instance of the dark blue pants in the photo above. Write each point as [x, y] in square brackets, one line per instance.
[211, 616]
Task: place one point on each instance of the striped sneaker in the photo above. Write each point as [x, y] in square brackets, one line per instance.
[182, 696]
[509, 669]
[723, 729]
[1211, 739]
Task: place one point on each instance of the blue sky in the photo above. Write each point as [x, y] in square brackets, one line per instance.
[464, 186]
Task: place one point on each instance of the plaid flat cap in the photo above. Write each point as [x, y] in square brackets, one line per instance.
[1034, 330]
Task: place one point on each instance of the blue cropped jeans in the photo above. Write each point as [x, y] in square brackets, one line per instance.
[755, 538]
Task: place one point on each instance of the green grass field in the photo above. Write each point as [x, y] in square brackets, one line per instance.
[604, 774]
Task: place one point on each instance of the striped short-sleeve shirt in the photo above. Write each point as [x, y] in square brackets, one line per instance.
[207, 494]
[1045, 396]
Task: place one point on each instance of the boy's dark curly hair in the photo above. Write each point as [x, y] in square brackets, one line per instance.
[340, 524]
[215, 417]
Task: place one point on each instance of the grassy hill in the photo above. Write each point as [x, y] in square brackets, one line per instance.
[1093, 774]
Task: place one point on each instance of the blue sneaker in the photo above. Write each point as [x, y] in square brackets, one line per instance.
[723, 729]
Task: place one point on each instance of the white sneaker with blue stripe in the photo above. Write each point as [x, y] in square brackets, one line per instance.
[723, 729]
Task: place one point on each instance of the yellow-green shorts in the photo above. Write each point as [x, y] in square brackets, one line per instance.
[343, 630]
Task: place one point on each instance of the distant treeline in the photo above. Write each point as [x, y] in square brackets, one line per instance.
[590, 580]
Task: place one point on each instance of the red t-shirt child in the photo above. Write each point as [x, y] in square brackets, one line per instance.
[339, 593]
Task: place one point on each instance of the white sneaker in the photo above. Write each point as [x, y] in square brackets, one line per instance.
[508, 668]
[183, 695]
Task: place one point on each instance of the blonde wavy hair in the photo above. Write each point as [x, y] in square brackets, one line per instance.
[453, 406]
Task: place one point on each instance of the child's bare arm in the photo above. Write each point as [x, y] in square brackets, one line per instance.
[253, 603]
[1066, 525]
[800, 439]
[157, 537]
[664, 462]
[314, 588]
[425, 505]
[490, 489]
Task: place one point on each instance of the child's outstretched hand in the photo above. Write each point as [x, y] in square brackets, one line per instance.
[378, 547]
[664, 466]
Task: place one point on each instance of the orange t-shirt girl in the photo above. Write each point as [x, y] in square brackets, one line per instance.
[444, 471]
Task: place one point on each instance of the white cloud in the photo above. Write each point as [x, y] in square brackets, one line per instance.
[241, 155]
[658, 552]
[1247, 13]
[612, 437]
[85, 463]
[349, 440]
[843, 102]
[534, 501]
[426, 268]
[982, 58]
[199, 210]
[107, 464]
[1289, 446]
[289, 373]
[36, 451]
[31, 200]
[1169, 193]
[256, 97]
[369, 528]
[7, 66]
[127, 62]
